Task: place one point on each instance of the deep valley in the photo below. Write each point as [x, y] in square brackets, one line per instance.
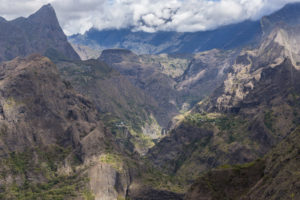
[131, 115]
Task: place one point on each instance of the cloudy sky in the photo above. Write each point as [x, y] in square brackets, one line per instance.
[77, 16]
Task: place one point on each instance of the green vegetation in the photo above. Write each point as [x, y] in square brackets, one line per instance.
[162, 181]
[131, 133]
[18, 163]
[120, 197]
[113, 160]
[240, 166]
[58, 188]
[141, 141]
[199, 119]
[42, 163]
[222, 122]
[53, 155]
[88, 195]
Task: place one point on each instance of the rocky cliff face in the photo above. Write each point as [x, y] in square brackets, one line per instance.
[39, 33]
[254, 109]
[52, 144]
[86, 52]
[278, 47]
[30, 88]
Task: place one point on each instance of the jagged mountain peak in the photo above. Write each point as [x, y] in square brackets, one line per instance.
[46, 14]
[45, 9]
[39, 33]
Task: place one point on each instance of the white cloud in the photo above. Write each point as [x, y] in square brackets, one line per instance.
[147, 15]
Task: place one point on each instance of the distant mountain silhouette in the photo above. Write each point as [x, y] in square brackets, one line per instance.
[226, 37]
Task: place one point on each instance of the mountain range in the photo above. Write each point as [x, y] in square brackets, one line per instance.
[205, 115]
[226, 37]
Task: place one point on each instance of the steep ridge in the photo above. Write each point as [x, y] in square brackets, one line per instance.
[126, 109]
[32, 86]
[276, 176]
[255, 108]
[205, 73]
[39, 33]
[227, 37]
[52, 144]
